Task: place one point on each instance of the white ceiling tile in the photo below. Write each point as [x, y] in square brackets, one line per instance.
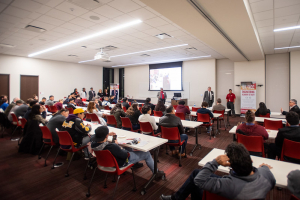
[41, 1]
[263, 23]
[153, 11]
[56, 34]
[263, 15]
[142, 27]
[44, 9]
[54, 3]
[26, 32]
[285, 25]
[72, 27]
[285, 3]
[6, 1]
[89, 14]
[26, 5]
[265, 29]
[2, 6]
[60, 15]
[17, 12]
[108, 11]
[140, 3]
[153, 31]
[142, 14]
[285, 11]
[139, 34]
[63, 30]
[82, 22]
[177, 33]
[124, 18]
[71, 9]
[110, 23]
[124, 5]
[9, 18]
[157, 21]
[167, 28]
[34, 15]
[261, 6]
[287, 19]
[26, 20]
[50, 20]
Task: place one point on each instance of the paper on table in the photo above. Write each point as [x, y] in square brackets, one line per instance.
[140, 144]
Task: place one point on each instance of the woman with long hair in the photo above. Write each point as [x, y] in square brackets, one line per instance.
[262, 109]
[133, 113]
[118, 112]
[92, 109]
[75, 93]
[160, 107]
[100, 93]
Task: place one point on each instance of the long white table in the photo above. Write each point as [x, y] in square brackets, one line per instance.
[280, 169]
[278, 115]
[272, 133]
[261, 119]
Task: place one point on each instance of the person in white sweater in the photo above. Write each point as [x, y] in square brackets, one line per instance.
[92, 109]
[145, 117]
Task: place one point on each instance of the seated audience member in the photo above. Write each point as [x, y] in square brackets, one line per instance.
[291, 132]
[112, 99]
[50, 101]
[146, 117]
[251, 129]
[243, 182]
[294, 182]
[35, 97]
[118, 112]
[15, 100]
[77, 130]
[100, 93]
[59, 104]
[92, 109]
[32, 103]
[75, 93]
[67, 100]
[160, 107]
[83, 94]
[22, 109]
[105, 93]
[71, 104]
[262, 110]
[33, 137]
[13, 110]
[43, 101]
[123, 156]
[106, 102]
[125, 103]
[4, 104]
[203, 110]
[98, 104]
[133, 113]
[148, 102]
[10, 106]
[170, 120]
[293, 107]
[56, 123]
[219, 106]
[79, 102]
[182, 109]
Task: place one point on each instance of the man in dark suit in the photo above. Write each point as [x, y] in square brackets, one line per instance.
[115, 94]
[92, 94]
[209, 97]
[293, 107]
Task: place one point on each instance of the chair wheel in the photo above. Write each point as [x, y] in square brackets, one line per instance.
[39, 157]
[180, 165]
[134, 189]
[191, 154]
[88, 195]
[84, 178]
[66, 175]
[52, 167]
[45, 165]
[163, 177]
[105, 186]
[143, 192]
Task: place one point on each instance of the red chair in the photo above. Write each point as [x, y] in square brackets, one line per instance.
[107, 163]
[18, 123]
[53, 109]
[293, 197]
[129, 103]
[266, 116]
[290, 149]
[180, 115]
[70, 110]
[205, 118]
[211, 196]
[106, 108]
[175, 106]
[147, 128]
[272, 125]
[111, 120]
[140, 108]
[88, 116]
[126, 123]
[47, 107]
[158, 113]
[195, 109]
[47, 139]
[124, 108]
[95, 118]
[252, 143]
[221, 118]
[187, 107]
[172, 134]
[66, 140]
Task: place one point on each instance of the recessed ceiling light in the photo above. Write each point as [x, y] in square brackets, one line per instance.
[88, 37]
[7, 45]
[287, 28]
[287, 47]
[94, 17]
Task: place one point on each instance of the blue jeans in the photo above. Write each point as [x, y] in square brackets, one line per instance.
[182, 137]
[135, 126]
[86, 140]
[189, 187]
[137, 156]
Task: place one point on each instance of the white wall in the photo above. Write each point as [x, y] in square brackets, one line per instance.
[197, 75]
[55, 78]
[294, 75]
[116, 75]
[249, 71]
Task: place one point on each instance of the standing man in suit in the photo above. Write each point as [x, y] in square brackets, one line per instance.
[115, 94]
[162, 95]
[230, 102]
[209, 97]
[293, 107]
[92, 94]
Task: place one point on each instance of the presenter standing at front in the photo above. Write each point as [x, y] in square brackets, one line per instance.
[162, 95]
[209, 97]
[230, 102]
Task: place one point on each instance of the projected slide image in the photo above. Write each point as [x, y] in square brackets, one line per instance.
[167, 78]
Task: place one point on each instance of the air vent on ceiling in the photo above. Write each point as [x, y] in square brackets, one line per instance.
[191, 48]
[87, 4]
[73, 55]
[163, 36]
[7, 45]
[145, 55]
[35, 29]
[108, 48]
[107, 61]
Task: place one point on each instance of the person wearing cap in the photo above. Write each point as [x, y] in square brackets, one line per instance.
[43, 101]
[294, 182]
[77, 130]
[50, 101]
[92, 94]
[122, 156]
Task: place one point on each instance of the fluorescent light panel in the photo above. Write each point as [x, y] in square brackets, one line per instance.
[88, 37]
[287, 47]
[285, 29]
[163, 61]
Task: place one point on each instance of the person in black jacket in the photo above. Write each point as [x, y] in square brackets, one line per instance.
[291, 132]
[262, 110]
[170, 120]
[125, 103]
[122, 156]
[77, 130]
[56, 122]
[71, 104]
[293, 107]
[204, 110]
[133, 113]
[92, 94]
[148, 102]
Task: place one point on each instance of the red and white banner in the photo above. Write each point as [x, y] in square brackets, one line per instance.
[248, 96]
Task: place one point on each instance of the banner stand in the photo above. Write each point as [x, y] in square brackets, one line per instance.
[248, 96]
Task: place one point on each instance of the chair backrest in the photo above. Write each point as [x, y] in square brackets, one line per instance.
[111, 120]
[53, 109]
[180, 115]
[187, 107]
[252, 143]
[273, 125]
[124, 108]
[65, 138]
[290, 149]
[170, 133]
[220, 112]
[106, 159]
[129, 103]
[195, 108]
[15, 119]
[126, 123]
[46, 134]
[211, 196]
[95, 118]
[87, 116]
[267, 115]
[146, 127]
[140, 108]
[106, 108]
[23, 122]
[158, 113]
[203, 117]
[175, 106]
[47, 107]
[70, 110]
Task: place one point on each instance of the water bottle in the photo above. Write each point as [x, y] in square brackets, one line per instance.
[194, 105]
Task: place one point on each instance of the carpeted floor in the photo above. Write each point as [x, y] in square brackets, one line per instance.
[23, 176]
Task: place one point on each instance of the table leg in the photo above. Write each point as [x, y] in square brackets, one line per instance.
[217, 131]
[191, 154]
[227, 124]
[234, 139]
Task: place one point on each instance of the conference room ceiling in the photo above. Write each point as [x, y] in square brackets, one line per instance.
[65, 21]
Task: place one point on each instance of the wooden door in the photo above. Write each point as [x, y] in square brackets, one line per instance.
[29, 86]
[4, 85]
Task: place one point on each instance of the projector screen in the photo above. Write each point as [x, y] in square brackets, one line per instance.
[166, 76]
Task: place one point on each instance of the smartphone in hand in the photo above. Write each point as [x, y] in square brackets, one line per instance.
[114, 138]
